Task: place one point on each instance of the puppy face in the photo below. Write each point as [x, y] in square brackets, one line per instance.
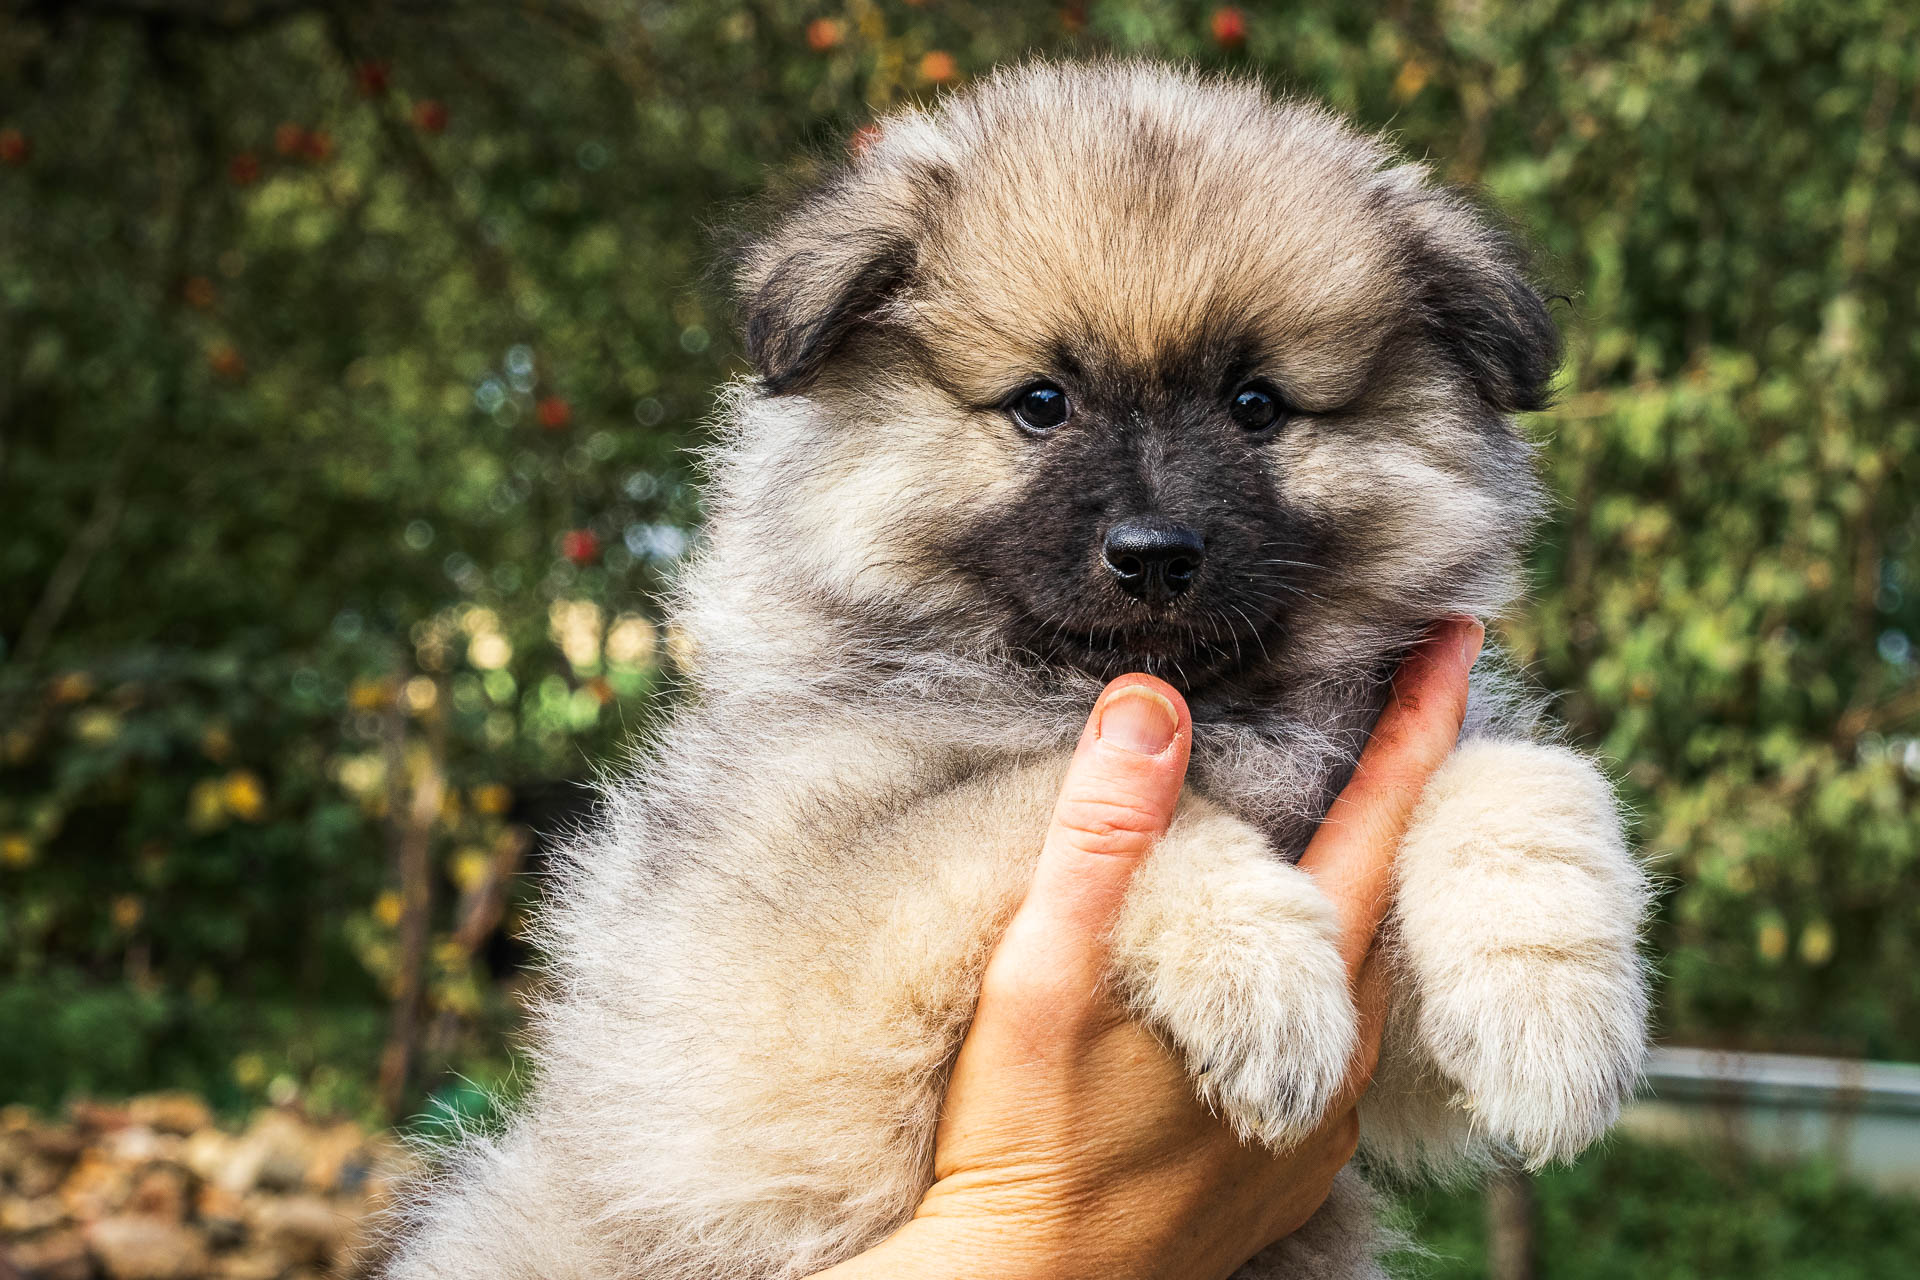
[1117, 368]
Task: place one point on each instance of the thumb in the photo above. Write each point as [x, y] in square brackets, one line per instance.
[1116, 802]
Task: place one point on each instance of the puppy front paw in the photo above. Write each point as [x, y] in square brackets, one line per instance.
[1544, 1049]
[1231, 954]
[1519, 912]
[1270, 1061]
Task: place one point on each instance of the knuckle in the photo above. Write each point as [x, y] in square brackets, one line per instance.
[1015, 986]
[1111, 825]
[1038, 996]
[1015, 998]
[1346, 1137]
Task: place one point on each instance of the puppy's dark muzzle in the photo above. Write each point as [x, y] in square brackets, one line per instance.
[1153, 560]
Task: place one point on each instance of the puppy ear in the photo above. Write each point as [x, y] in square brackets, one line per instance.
[1479, 307]
[829, 268]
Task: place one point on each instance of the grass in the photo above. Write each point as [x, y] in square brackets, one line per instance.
[1635, 1211]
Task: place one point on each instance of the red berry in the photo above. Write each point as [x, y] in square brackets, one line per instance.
[430, 115]
[244, 169]
[580, 546]
[824, 33]
[289, 139]
[938, 66]
[554, 413]
[371, 77]
[1229, 28]
[317, 145]
[14, 147]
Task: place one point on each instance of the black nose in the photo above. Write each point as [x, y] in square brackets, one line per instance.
[1153, 560]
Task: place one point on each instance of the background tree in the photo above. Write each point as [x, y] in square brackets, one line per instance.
[349, 352]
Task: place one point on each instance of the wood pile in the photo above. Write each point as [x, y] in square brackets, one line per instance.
[154, 1189]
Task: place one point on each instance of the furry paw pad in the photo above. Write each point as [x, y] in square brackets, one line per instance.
[1546, 1054]
[1232, 955]
[1273, 1066]
[1519, 908]
[1244, 977]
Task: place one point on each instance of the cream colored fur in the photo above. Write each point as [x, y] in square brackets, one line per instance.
[1516, 916]
[758, 1096]
[1231, 953]
[765, 950]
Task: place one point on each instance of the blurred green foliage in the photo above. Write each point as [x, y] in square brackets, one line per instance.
[1659, 1213]
[348, 353]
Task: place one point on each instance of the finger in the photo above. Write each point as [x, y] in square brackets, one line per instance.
[1352, 853]
[1370, 1000]
[1117, 800]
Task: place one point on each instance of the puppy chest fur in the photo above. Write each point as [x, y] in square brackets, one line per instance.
[1090, 369]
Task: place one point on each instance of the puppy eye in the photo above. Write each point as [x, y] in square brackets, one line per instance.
[1256, 407]
[1040, 407]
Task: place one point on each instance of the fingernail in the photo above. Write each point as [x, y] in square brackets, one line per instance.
[1139, 720]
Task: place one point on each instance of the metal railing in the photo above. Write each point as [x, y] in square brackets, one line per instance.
[1863, 1117]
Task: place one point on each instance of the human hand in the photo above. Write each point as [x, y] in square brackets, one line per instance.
[1071, 1143]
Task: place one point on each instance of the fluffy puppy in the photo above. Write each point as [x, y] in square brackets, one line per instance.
[1089, 369]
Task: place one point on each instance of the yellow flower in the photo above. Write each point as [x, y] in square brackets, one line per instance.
[15, 849]
[1411, 80]
[460, 997]
[127, 911]
[492, 799]
[242, 795]
[204, 808]
[470, 867]
[96, 726]
[386, 908]
[1816, 943]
